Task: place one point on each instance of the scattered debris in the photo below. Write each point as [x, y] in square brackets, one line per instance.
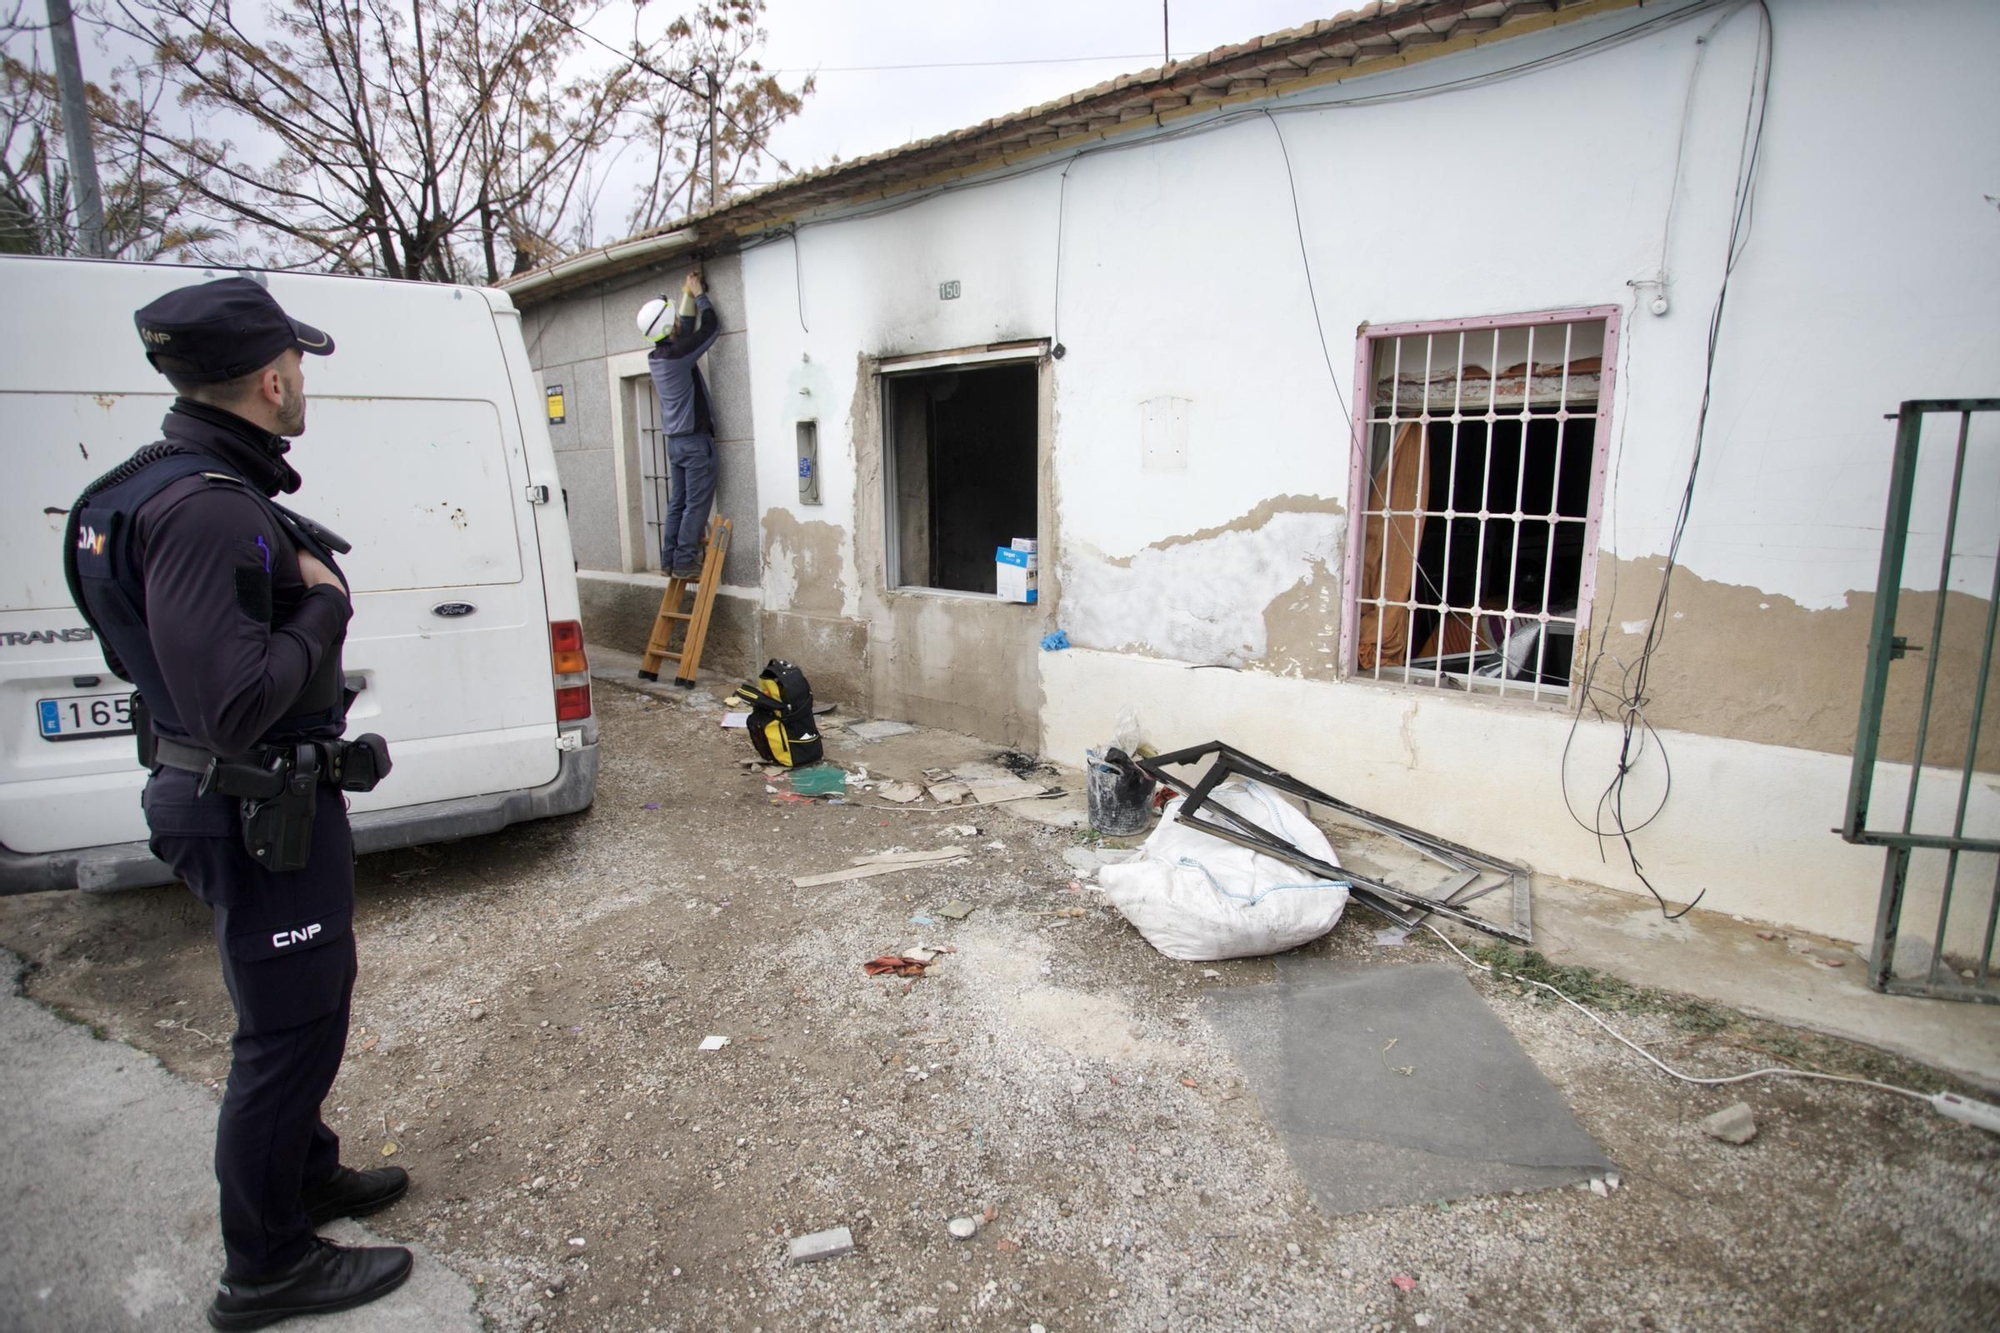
[921, 920]
[949, 791]
[1732, 1124]
[962, 1228]
[714, 1043]
[901, 793]
[1474, 874]
[921, 953]
[956, 910]
[894, 964]
[1403, 1282]
[822, 1245]
[1055, 642]
[820, 780]
[886, 863]
[1599, 1188]
[389, 1150]
[652, 805]
[1405, 1070]
[736, 721]
[960, 831]
[878, 730]
[1210, 974]
[995, 791]
[1391, 936]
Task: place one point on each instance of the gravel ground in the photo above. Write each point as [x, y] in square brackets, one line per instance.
[526, 1035]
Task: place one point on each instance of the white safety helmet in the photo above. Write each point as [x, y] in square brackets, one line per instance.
[656, 319]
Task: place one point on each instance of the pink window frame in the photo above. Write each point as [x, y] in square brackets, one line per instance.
[1357, 474]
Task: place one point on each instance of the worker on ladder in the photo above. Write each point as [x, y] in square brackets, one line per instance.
[679, 338]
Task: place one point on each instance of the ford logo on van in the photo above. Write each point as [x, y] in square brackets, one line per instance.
[453, 609]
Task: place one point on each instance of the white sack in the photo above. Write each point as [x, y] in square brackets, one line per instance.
[1196, 897]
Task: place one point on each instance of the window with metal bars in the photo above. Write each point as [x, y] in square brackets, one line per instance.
[652, 462]
[1479, 448]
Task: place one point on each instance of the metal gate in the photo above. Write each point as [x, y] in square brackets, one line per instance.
[1932, 847]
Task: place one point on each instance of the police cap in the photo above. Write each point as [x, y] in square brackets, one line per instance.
[217, 331]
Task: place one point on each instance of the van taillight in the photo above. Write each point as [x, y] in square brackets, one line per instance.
[572, 670]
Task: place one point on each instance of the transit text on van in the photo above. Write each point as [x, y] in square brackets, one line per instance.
[21, 638]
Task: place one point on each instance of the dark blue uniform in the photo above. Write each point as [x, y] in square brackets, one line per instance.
[190, 572]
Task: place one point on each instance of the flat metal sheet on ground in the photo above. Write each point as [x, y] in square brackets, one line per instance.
[1398, 1085]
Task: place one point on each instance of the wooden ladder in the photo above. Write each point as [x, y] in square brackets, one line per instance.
[659, 648]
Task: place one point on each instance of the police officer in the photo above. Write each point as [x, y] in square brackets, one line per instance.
[227, 612]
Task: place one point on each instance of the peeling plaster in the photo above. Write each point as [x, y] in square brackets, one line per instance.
[1302, 627]
[1748, 664]
[1207, 597]
[804, 570]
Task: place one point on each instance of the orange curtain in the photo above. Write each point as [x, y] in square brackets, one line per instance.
[1389, 551]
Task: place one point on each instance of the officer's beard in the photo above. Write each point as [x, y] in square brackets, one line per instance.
[292, 411]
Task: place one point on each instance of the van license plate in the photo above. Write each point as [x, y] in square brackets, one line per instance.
[76, 716]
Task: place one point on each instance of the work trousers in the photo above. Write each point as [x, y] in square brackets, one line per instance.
[286, 942]
[690, 490]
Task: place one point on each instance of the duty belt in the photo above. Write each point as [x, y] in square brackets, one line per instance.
[355, 765]
[276, 786]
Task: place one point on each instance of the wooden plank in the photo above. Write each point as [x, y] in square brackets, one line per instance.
[910, 858]
[862, 872]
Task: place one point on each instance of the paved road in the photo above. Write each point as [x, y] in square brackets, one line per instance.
[107, 1199]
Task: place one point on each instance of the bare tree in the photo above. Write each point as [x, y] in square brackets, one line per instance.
[720, 40]
[437, 139]
[145, 215]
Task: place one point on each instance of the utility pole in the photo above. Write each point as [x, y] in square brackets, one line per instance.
[76, 130]
[1166, 34]
[714, 169]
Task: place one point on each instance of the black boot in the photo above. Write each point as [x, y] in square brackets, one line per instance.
[331, 1277]
[351, 1193]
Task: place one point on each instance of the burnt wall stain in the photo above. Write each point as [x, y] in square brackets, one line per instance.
[1748, 665]
[812, 550]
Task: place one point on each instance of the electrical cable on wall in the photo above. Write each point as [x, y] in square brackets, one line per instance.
[1298, 223]
[1055, 318]
[1631, 699]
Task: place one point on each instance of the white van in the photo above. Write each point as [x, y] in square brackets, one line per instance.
[426, 447]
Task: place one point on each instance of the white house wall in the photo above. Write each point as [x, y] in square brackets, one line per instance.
[1871, 276]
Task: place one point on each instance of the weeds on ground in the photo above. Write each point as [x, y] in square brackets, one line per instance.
[1608, 995]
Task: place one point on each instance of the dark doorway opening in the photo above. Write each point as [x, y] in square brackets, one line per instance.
[964, 473]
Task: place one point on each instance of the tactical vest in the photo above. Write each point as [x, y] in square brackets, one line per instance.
[100, 560]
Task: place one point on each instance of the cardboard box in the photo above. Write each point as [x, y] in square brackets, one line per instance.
[1014, 574]
[1028, 544]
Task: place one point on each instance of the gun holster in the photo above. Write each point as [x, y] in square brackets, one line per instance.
[278, 796]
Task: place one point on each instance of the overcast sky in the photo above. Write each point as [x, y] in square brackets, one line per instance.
[1055, 47]
[856, 113]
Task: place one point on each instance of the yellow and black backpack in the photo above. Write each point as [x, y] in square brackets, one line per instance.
[781, 716]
